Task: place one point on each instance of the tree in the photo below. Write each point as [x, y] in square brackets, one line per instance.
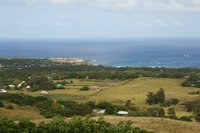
[150, 98]
[160, 96]
[41, 83]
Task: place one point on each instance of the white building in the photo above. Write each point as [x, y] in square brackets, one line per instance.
[3, 91]
[19, 85]
[28, 87]
[12, 86]
[44, 92]
[122, 113]
[99, 111]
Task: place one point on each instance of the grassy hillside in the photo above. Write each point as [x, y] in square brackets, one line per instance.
[159, 125]
[20, 112]
[119, 92]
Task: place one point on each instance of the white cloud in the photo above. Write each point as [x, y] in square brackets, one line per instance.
[157, 5]
[26, 24]
[160, 23]
[116, 4]
[31, 2]
[168, 23]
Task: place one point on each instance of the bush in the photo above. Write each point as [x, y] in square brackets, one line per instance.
[9, 107]
[85, 88]
[185, 118]
[110, 109]
[156, 112]
[74, 125]
[1, 104]
[192, 81]
[170, 102]
[171, 113]
[197, 112]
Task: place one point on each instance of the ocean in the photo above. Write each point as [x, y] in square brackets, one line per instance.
[111, 52]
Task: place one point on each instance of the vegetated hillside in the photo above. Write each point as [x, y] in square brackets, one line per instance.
[79, 89]
[157, 125]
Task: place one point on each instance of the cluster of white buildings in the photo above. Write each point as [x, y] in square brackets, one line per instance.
[103, 111]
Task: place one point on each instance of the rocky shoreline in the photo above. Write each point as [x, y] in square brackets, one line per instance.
[76, 61]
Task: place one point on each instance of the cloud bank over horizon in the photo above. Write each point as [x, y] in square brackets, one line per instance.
[98, 18]
[164, 5]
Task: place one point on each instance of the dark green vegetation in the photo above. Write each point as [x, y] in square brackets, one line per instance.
[14, 70]
[75, 125]
[159, 97]
[193, 106]
[42, 82]
[49, 108]
[192, 81]
[85, 88]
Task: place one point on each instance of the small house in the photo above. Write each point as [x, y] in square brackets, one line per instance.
[60, 86]
[122, 113]
[3, 91]
[95, 87]
[19, 85]
[44, 92]
[28, 87]
[99, 111]
[12, 86]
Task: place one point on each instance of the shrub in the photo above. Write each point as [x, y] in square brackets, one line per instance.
[197, 112]
[1, 104]
[9, 107]
[85, 88]
[171, 113]
[107, 106]
[156, 112]
[192, 81]
[185, 118]
[170, 102]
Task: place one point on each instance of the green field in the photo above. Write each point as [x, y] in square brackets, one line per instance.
[118, 92]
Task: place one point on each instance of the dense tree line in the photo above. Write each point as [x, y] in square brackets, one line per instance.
[75, 125]
[21, 69]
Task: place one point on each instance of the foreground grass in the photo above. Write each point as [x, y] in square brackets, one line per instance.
[159, 125]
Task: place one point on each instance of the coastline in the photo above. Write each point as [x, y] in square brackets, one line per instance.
[90, 62]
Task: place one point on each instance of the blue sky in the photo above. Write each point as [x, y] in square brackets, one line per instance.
[61, 19]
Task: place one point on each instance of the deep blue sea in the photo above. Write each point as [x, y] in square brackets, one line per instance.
[129, 52]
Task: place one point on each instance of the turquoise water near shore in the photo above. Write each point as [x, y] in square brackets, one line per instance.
[130, 52]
